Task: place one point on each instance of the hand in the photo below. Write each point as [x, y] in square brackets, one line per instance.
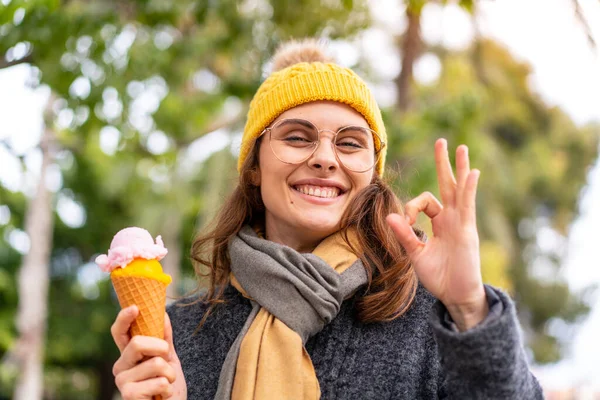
[148, 366]
[448, 264]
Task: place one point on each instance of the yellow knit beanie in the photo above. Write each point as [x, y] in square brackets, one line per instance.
[304, 82]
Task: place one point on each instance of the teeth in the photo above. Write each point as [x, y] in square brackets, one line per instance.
[318, 191]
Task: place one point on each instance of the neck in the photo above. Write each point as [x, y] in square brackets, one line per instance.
[291, 238]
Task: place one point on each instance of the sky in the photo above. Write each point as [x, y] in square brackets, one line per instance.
[543, 33]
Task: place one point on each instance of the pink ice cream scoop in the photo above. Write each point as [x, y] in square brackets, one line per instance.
[128, 244]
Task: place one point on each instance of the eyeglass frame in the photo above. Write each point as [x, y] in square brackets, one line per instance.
[382, 144]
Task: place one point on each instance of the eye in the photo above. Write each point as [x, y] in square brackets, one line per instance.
[295, 137]
[294, 134]
[349, 143]
[354, 138]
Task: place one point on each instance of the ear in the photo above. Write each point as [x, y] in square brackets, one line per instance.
[255, 176]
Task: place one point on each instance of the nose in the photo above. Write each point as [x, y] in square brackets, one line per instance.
[324, 157]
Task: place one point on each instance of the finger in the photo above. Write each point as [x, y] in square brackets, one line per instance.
[138, 348]
[405, 234]
[446, 180]
[151, 368]
[470, 195]
[425, 202]
[146, 389]
[120, 328]
[462, 166]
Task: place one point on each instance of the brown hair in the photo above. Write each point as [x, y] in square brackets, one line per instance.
[392, 282]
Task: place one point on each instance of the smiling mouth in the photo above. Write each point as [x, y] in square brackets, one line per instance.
[324, 192]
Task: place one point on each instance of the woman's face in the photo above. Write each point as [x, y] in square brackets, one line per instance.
[293, 216]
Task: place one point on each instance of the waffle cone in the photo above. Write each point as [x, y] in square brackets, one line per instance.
[150, 296]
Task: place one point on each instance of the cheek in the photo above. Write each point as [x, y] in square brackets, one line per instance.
[272, 194]
[273, 187]
[360, 181]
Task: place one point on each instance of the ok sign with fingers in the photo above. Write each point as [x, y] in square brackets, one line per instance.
[448, 264]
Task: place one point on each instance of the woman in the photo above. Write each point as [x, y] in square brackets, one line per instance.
[320, 287]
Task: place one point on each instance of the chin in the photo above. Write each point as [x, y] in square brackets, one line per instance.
[324, 226]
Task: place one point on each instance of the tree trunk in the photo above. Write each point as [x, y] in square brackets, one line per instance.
[106, 381]
[411, 48]
[33, 282]
[477, 55]
[583, 21]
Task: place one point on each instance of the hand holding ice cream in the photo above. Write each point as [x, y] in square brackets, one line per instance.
[138, 279]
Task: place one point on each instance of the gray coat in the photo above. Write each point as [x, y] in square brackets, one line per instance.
[420, 355]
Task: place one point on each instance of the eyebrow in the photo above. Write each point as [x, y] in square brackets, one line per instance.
[300, 121]
[309, 124]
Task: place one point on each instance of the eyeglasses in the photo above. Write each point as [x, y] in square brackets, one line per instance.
[294, 141]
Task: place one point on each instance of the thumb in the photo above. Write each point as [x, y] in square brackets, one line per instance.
[405, 234]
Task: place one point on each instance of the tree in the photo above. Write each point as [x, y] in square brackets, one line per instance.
[33, 282]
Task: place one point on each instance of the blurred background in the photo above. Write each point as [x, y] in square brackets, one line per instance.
[120, 113]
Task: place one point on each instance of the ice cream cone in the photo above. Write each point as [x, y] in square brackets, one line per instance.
[150, 296]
